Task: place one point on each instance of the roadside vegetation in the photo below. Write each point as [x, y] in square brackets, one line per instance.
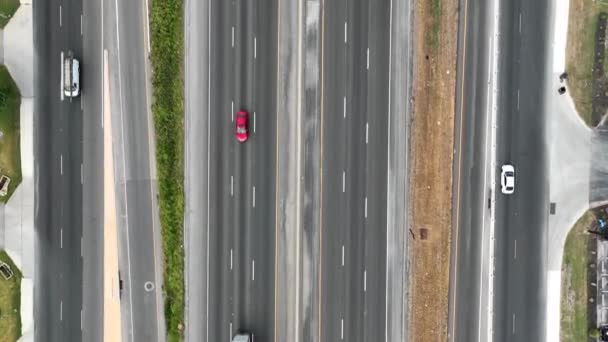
[10, 150]
[580, 48]
[10, 302]
[574, 323]
[166, 35]
[432, 141]
[7, 10]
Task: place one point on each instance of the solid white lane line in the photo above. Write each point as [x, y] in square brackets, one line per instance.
[232, 36]
[365, 281]
[365, 206]
[344, 106]
[514, 249]
[342, 328]
[147, 24]
[61, 164]
[252, 270]
[232, 111]
[366, 132]
[388, 181]
[254, 196]
[231, 259]
[61, 238]
[61, 79]
[60, 21]
[345, 32]
[343, 181]
[367, 63]
[254, 122]
[231, 185]
[342, 255]
[61, 310]
[255, 48]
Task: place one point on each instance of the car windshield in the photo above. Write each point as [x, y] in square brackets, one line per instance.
[509, 174]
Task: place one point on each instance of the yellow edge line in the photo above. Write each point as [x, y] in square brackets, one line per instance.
[457, 223]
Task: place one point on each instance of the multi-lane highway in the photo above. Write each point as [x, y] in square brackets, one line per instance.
[519, 226]
[58, 152]
[69, 224]
[317, 158]
[354, 145]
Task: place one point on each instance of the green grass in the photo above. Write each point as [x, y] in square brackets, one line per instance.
[10, 301]
[433, 36]
[166, 57]
[7, 10]
[10, 152]
[580, 49]
[574, 324]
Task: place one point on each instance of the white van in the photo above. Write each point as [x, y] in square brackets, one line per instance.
[71, 76]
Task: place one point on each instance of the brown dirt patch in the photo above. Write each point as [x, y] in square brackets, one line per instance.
[436, 26]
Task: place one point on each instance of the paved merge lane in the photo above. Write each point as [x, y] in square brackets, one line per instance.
[355, 123]
[466, 322]
[58, 151]
[241, 197]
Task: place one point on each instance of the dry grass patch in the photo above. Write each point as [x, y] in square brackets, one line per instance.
[432, 158]
[580, 47]
[10, 146]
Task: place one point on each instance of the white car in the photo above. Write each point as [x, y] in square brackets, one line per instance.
[507, 179]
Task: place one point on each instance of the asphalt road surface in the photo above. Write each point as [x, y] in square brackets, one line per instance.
[521, 219]
[234, 290]
[58, 152]
[519, 287]
[471, 190]
[354, 117]
[125, 24]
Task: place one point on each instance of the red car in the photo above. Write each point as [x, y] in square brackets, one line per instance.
[242, 126]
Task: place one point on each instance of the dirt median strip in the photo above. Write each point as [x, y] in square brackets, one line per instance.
[431, 167]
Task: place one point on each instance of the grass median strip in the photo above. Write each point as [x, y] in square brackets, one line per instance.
[166, 33]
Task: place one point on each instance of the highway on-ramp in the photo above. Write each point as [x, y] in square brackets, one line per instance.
[126, 42]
